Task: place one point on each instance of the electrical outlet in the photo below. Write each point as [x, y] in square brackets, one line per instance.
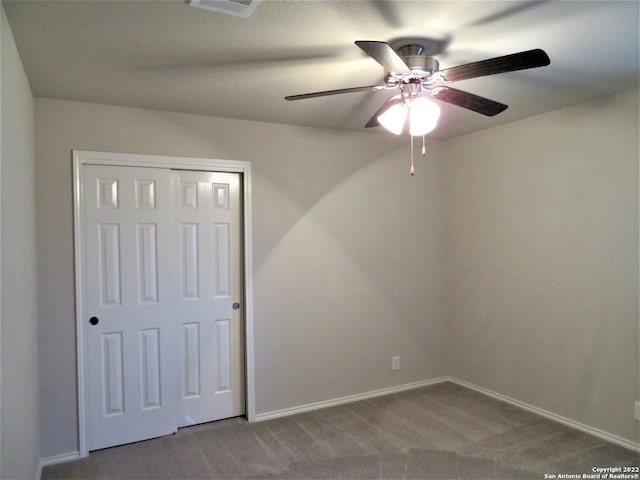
[395, 363]
[637, 412]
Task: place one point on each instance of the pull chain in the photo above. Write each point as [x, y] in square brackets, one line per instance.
[412, 171]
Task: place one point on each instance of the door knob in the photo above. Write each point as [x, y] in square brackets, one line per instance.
[236, 306]
[94, 320]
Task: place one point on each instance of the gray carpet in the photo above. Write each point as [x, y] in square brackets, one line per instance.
[443, 431]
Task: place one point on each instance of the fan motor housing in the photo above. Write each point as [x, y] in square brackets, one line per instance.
[422, 63]
[417, 57]
[418, 52]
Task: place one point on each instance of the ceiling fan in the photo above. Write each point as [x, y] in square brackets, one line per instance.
[410, 68]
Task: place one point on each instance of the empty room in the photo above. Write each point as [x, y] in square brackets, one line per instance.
[320, 239]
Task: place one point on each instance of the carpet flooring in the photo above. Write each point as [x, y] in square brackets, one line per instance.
[443, 431]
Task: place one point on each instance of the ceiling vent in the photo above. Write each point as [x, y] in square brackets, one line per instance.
[239, 8]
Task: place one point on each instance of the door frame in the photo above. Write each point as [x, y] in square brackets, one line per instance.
[83, 157]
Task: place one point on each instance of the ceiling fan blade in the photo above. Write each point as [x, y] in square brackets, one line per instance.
[386, 56]
[508, 63]
[370, 88]
[469, 101]
[373, 121]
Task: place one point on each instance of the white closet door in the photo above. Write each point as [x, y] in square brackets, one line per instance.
[131, 347]
[163, 300]
[211, 334]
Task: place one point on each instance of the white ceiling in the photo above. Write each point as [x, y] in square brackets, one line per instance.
[170, 56]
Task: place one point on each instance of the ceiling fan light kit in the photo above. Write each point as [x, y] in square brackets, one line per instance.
[422, 114]
[410, 68]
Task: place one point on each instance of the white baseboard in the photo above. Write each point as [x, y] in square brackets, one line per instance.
[348, 399]
[623, 442]
[63, 457]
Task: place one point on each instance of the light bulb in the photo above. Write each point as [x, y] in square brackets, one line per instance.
[394, 118]
[423, 116]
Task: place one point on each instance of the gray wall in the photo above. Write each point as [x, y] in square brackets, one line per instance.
[347, 250]
[542, 249]
[509, 261]
[19, 427]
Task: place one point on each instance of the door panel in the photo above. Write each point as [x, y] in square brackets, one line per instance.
[131, 352]
[212, 371]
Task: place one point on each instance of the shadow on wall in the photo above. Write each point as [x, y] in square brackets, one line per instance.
[356, 261]
[303, 170]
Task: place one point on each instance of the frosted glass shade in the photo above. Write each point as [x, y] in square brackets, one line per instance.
[423, 116]
[394, 117]
[422, 113]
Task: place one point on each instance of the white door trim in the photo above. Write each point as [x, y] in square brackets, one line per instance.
[81, 158]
